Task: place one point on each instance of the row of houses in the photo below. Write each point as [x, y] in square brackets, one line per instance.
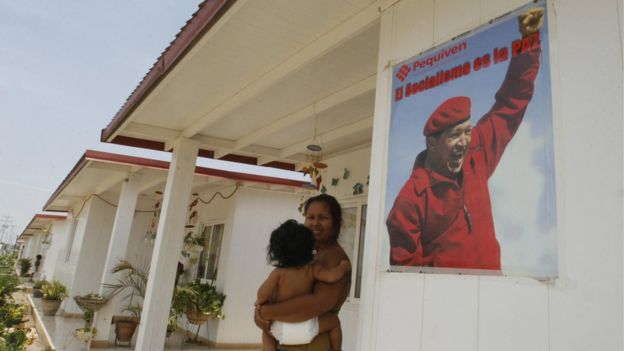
[311, 85]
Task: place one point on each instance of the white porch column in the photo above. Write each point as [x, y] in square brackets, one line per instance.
[168, 244]
[117, 249]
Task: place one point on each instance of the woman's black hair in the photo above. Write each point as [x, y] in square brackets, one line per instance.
[291, 245]
[334, 209]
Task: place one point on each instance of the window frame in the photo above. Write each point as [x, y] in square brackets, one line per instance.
[203, 226]
[358, 202]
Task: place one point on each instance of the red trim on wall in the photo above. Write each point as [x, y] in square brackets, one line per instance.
[92, 155]
[240, 159]
[280, 165]
[136, 142]
[205, 153]
[49, 216]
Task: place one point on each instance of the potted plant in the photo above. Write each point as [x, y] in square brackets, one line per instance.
[133, 281]
[24, 266]
[37, 288]
[53, 294]
[199, 302]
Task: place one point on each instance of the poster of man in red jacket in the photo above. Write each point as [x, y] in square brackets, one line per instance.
[469, 99]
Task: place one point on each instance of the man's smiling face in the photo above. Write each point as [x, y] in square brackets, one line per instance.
[447, 151]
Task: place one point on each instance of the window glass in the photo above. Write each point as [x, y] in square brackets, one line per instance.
[209, 257]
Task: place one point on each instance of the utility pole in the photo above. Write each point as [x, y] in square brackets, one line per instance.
[6, 228]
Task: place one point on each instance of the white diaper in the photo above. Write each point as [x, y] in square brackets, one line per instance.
[295, 333]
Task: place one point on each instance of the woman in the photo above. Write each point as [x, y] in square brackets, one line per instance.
[323, 216]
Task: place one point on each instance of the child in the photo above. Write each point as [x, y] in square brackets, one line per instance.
[291, 251]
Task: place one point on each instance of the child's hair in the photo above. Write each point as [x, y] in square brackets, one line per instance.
[291, 245]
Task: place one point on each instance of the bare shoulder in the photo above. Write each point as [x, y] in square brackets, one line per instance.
[331, 256]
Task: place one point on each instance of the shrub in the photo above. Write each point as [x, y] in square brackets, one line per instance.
[13, 341]
[12, 314]
[40, 283]
[54, 290]
[8, 285]
[201, 298]
[25, 264]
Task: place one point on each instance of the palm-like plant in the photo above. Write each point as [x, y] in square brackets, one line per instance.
[132, 279]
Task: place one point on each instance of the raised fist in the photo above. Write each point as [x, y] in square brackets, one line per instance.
[531, 21]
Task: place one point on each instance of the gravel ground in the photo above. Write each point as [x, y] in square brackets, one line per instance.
[33, 336]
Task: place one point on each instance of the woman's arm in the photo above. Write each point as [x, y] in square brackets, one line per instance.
[323, 299]
[266, 289]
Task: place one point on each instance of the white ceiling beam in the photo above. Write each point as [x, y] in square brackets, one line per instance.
[324, 104]
[330, 40]
[149, 183]
[331, 135]
[140, 130]
[111, 181]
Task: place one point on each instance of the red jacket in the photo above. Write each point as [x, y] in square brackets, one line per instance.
[437, 221]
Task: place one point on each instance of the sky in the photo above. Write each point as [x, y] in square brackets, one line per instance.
[66, 68]
[522, 186]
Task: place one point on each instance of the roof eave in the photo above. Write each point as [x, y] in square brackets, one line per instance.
[208, 14]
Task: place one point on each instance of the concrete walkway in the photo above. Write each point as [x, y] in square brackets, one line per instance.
[59, 331]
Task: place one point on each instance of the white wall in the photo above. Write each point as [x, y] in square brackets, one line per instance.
[89, 250]
[242, 265]
[582, 310]
[58, 235]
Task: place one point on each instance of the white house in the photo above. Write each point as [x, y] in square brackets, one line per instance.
[114, 201]
[43, 234]
[258, 81]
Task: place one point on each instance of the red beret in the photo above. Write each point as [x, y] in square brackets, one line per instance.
[449, 113]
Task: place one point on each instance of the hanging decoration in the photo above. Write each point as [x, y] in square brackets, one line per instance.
[335, 181]
[346, 174]
[150, 236]
[358, 189]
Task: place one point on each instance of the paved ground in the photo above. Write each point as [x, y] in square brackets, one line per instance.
[61, 330]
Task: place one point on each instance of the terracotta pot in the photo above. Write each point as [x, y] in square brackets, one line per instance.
[50, 307]
[124, 329]
[196, 317]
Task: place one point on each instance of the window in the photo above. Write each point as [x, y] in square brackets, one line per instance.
[209, 257]
[352, 240]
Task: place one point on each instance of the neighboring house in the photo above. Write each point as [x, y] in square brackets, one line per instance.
[300, 83]
[236, 211]
[43, 235]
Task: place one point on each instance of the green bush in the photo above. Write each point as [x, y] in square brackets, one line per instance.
[54, 290]
[13, 341]
[25, 264]
[40, 283]
[12, 314]
[199, 297]
[8, 285]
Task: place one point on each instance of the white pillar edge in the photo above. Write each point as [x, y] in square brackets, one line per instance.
[117, 249]
[152, 328]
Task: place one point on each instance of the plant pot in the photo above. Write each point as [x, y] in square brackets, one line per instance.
[50, 307]
[196, 317]
[37, 293]
[124, 329]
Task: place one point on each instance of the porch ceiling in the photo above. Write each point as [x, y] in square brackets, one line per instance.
[40, 223]
[98, 173]
[265, 79]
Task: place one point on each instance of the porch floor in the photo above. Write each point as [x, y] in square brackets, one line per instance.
[60, 331]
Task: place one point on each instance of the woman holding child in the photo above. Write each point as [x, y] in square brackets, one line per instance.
[323, 216]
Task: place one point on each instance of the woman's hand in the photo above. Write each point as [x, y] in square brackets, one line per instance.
[261, 322]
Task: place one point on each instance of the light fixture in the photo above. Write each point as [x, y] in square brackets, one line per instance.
[315, 146]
